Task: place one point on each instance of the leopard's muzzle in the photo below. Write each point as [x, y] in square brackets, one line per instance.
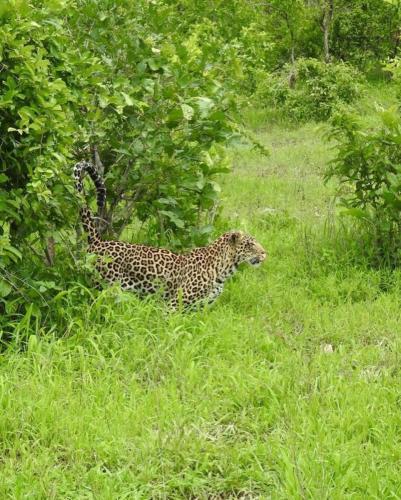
[257, 259]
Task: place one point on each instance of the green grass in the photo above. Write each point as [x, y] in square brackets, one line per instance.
[289, 387]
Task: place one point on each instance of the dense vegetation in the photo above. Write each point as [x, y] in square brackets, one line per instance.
[279, 117]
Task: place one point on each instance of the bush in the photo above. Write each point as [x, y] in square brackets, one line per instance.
[393, 70]
[81, 77]
[368, 166]
[309, 89]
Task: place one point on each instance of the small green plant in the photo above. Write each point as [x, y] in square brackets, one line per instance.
[309, 89]
[368, 166]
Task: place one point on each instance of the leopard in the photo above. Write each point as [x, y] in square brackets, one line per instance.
[188, 279]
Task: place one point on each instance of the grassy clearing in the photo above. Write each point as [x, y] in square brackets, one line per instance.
[289, 387]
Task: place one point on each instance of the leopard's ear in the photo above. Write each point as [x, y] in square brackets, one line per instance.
[235, 238]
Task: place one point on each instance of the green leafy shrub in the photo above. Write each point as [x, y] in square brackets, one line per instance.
[37, 128]
[89, 78]
[368, 166]
[309, 89]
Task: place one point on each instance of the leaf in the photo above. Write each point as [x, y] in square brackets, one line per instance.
[11, 252]
[127, 99]
[5, 288]
[175, 115]
[205, 104]
[187, 111]
[153, 65]
[173, 218]
[12, 129]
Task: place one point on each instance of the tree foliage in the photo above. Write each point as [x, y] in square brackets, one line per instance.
[310, 89]
[142, 102]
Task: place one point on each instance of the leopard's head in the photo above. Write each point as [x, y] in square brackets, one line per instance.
[245, 248]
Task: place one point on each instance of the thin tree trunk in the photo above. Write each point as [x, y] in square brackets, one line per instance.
[102, 225]
[292, 74]
[396, 42]
[50, 251]
[326, 25]
[292, 77]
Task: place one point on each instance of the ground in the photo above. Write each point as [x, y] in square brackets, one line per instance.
[288, 387]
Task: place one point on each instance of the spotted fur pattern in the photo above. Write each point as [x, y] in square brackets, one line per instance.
[190, 278]
[87, 218]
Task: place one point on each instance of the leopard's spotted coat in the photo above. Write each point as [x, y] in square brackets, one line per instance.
[194, 277]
